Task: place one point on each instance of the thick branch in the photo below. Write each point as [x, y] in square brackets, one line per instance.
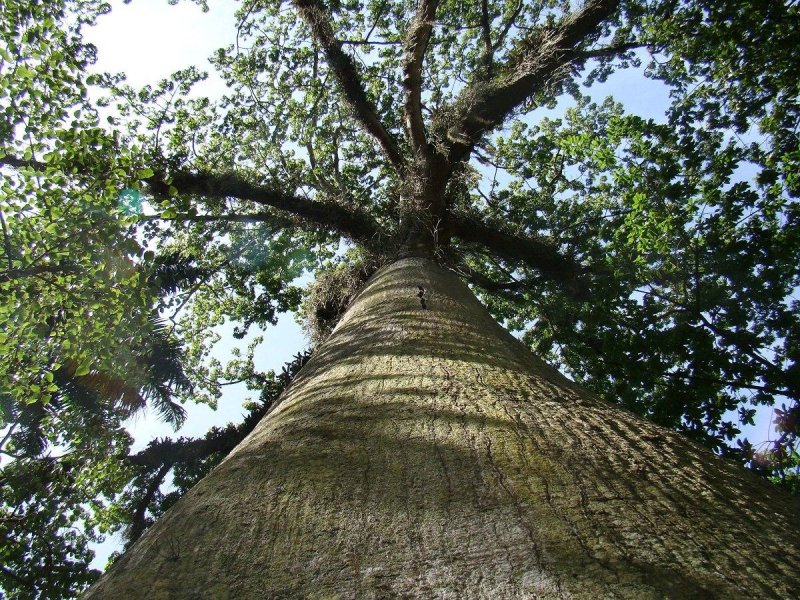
[9, 249]
[541, 59]
[487, 59]
[507, 289]
[417, 39]
[18, 163]
[352, 224]
[259, 217]
[609, 51]
[37, 271]
[356, 226]
[28, 582]
[319, 19]
[185, 450]
[370, 42]
[537, 254]
[138, 522]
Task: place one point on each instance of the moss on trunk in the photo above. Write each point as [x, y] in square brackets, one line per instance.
[424, 452]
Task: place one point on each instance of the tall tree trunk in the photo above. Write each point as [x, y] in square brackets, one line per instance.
[424, 452]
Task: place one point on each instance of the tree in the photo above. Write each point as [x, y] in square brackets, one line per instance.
[421, 450]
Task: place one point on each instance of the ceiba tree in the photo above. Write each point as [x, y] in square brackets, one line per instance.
[421, 450]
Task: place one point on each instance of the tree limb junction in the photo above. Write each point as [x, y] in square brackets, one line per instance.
[319, 19]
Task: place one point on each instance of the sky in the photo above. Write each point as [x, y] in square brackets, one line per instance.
[148, 40]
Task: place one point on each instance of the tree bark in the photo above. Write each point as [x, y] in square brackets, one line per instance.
[424, 452]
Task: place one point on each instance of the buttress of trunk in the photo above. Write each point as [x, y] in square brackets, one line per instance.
[423, 452]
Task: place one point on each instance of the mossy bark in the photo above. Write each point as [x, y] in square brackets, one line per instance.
[424, 453]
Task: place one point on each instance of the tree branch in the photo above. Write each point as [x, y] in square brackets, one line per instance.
[352, 224]
[260, 217]
[18, 163]
[609, 50]
[503, 288]
[416, 43]
[540, 59]
[536, 253]
[218, 440]
[487, 59]
[370, 43]
[37, 271]
[792, 388]
[8, 435]
[138, 523]
[16, 577]
[319, 19]
[9, 249]
[183, 450]
[736, 385]
[508, 25]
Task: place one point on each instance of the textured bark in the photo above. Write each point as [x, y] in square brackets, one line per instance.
[423, 452]
[416, 43]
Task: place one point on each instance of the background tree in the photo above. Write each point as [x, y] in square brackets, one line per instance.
[654, 260]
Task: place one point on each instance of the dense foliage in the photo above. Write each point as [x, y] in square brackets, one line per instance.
[653, 257]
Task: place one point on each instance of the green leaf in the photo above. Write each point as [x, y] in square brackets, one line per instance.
[83, 369]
